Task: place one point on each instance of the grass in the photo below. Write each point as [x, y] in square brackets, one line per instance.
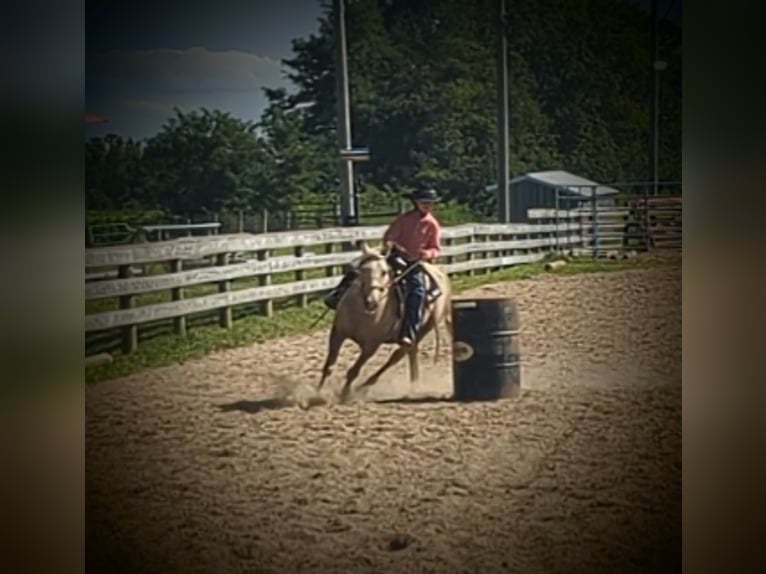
[169, 349]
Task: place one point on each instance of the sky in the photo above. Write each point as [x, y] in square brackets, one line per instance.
[145, 58]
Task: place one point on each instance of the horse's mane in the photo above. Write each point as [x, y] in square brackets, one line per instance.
[370, 254]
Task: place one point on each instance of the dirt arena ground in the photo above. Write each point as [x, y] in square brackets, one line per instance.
[206, 467]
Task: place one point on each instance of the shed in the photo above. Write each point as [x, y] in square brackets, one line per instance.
[540, 189]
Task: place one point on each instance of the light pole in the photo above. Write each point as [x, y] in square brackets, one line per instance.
[503, 199]
[345, 165]
[659, 66]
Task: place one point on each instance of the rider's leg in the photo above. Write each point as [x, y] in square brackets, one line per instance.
[333, 297]
[416, 292]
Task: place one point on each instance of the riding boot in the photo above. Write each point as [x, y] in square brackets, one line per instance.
[333, 297]
[413, 308]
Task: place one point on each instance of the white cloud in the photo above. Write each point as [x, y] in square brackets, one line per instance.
[191, 70]
[138, 89]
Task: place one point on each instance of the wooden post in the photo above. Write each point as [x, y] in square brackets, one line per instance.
[265, 221]
[302, 298]
[329, 271]
[469, 256]
[240, 221]
[267, 307]
[498, 252]
[129, 332]
[449, 243]
[225, 313]
[177, 294]
[487, 254]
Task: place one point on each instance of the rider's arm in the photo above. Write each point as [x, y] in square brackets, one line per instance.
[393, 231]
[432, 244]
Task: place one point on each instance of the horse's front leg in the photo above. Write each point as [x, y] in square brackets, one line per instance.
[334, 344]
[353, 372]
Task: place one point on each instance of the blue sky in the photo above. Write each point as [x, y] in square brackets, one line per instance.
[144, 58]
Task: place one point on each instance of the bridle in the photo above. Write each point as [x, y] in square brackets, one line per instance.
[385, 287]
[375, 287]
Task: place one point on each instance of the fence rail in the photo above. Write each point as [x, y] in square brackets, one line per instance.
[291, 257]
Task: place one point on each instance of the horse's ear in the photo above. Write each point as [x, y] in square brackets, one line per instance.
[365, 248]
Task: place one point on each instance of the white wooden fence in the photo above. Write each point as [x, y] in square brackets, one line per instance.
[300, 262]
[466, 249]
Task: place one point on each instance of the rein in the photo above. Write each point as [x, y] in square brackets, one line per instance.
[393, 281]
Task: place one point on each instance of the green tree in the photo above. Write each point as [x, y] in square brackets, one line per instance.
[297, 163]
[204, 160]
[113, 176]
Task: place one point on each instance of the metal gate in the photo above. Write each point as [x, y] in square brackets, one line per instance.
[621, 217]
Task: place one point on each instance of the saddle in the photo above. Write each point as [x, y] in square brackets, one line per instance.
[398, 265]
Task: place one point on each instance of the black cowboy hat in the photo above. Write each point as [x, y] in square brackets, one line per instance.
[423, 194]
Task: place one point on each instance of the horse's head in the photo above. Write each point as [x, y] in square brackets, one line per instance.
[374, 277]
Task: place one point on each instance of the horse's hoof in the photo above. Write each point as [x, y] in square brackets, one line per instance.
[330, 400]
[344, 397]
[304, 403]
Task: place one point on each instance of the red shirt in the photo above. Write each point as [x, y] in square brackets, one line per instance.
[416, 232]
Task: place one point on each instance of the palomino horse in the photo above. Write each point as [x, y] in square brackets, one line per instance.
[370, 314]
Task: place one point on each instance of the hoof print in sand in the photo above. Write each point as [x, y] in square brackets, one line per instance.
[400, 542]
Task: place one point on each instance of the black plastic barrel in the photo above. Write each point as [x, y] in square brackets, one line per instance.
[486, 358]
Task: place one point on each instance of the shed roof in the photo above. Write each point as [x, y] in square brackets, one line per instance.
[574, 183]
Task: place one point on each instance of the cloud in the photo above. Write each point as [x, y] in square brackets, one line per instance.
[193, 70]
[138, 89]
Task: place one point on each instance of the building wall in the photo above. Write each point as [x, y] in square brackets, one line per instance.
[526, 195]
[529, 194]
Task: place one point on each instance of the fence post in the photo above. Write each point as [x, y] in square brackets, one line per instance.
[177, 294]
[647, 221]
[129, 332]
[469, 256]
[329, 271]
[267, 307]
[450, 258]
[225, 313]
[487, 254]
[594, 225]
[556, 216]
[265, 221]
[302, 298]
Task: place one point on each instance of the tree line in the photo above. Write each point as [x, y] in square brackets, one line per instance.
[423, 98]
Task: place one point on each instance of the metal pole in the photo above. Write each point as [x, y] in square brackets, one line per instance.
[503, 145]
[346, 167]
[653, 115]
[557, 220]
[656, 158]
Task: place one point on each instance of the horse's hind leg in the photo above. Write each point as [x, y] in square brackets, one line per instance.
[395, 357]
[334, 345]
[412, 356]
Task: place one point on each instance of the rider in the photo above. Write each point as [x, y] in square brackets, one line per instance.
[415, 236]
